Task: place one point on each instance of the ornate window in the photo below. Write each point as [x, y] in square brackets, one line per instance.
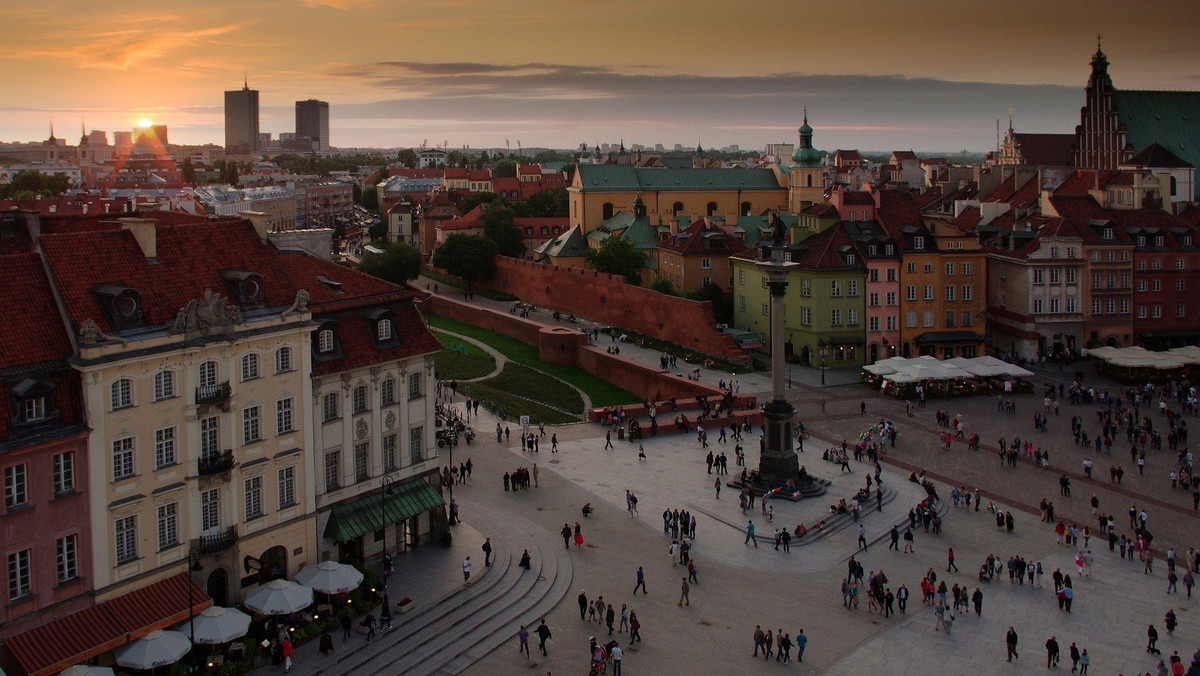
[283, 359]
[250, 367]
[121, 394]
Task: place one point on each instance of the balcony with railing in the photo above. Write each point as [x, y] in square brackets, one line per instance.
[216, 540]
[215, 463]
[213, 394]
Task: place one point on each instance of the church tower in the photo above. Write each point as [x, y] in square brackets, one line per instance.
[1100, 138]
[806, 181]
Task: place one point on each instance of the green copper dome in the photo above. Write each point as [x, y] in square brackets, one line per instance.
[806, 155]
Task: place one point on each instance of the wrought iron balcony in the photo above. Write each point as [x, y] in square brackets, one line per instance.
[213, 394]
[215, 463]
[217, 541]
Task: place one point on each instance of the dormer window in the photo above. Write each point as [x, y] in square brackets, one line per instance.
[918, 242]
[382, 324]
[1141, 241]
[1158, 241]
[122, 305]
[245, 288]
[1187, 240]
[1108, 233]
[325, 340]
[383, 330]
[872, 250]
[33, 402]
[850, 259]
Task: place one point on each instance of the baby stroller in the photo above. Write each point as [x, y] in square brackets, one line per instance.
[983, 573]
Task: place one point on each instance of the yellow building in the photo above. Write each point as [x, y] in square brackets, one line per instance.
[598, 191]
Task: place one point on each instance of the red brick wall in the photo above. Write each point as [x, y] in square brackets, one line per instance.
[608, 299]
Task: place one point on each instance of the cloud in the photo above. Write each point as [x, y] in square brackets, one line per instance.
[126, 47]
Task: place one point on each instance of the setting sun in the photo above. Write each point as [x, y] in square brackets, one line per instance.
[144, 122]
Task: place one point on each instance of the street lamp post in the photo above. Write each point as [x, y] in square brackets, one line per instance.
[385, 485]
[193, 561]
[822, 349]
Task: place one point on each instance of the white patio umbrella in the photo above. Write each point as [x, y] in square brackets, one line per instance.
[330, 577]
[153, 650]
[86, 670]
[279, 597]
[218, 625]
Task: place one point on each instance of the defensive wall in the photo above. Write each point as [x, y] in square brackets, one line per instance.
[608, 299]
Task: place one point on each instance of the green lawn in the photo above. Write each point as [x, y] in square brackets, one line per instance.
[601, 392]
[452, 365]
[542, 398]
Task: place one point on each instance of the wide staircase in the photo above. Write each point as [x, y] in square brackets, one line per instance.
[449, 634]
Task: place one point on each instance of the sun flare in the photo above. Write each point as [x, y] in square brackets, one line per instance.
[145, 122]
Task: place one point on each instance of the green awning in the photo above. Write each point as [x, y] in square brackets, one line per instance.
[371, 512]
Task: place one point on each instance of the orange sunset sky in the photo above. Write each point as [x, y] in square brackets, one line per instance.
[925, 74]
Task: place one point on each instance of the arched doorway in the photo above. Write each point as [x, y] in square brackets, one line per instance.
[745, 208]
[874, 353]
[606, 212]
[1112, 342]
[711, 208]
[218, 586]
[676, 208]
[805, 356]
[906, 350]
[274, 564]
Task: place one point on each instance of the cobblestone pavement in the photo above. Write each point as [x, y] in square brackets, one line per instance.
[741, 586]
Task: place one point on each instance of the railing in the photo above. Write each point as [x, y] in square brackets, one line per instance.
[212, 543]
[215, 463]
[213, 394]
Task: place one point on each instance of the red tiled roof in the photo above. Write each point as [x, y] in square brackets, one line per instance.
[397, 170]
[691, 240]
[188, 259]
[823, 251]
[857, 197]
[897, 209]
[359, 351]
[39, 336]
[357, 288]
[1054, 150]
[56, 645]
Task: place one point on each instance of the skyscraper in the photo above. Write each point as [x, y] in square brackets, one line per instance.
[241, 120]
[312, 121]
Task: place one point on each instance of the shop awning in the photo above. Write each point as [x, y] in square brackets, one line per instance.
[56, 645]
[371, 512]
[847, 340]
[948, 337]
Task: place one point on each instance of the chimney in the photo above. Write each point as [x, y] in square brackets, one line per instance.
[261, 222]
[144, 232]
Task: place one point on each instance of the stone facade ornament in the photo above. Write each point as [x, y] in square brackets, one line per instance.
[389, 420]
[211, 315]
[361, 429]
[90, 331]
[299, 306]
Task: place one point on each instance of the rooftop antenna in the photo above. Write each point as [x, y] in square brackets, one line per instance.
[245, 80]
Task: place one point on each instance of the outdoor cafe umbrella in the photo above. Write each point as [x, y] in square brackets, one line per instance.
[279, 597]
[86, 670]
[219, 625]
[153, 650]
[330, 577]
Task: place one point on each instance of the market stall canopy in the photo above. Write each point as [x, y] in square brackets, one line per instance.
[86, 670]
[218, 625]
[155, 649]
[279, 597]
[900, 370]
[330, 577]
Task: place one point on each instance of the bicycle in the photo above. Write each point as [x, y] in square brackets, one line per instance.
[800, 433]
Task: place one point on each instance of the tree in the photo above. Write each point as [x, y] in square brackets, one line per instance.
[28, 184]
[369, 197]
[378, 232]
[407, 157]
[722, 303]
[399, 263]
[499, 227]
[471, 257]
[662, 285]
[188, 170]
[549, 203]
[618, 257]
[476, 198]
[505, 169]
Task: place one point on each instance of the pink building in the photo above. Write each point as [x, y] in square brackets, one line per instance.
[45, 534]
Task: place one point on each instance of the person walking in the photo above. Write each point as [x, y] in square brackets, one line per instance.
[635, 626]
[1051, 653]
[543, 633]
[608, 440]
[466, 571]
[583, 605]
[523, 641]
[346, 623]
[717, 486]
[566, 535]
[801, 644]
[535, 475]
[1152, 641]
[1084, 660]
[683, 593]
[977, 599]
[369, 623]
[759, 637]
[487, 552]
[862, 537]
[901, 598]
[1010, 641]
[750, 534]
[286, 647]
[1073, 653]
[950, 560]
[616, 655]
[641, 582]
[610, 618]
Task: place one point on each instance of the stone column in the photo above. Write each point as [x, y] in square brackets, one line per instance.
[778, 462]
